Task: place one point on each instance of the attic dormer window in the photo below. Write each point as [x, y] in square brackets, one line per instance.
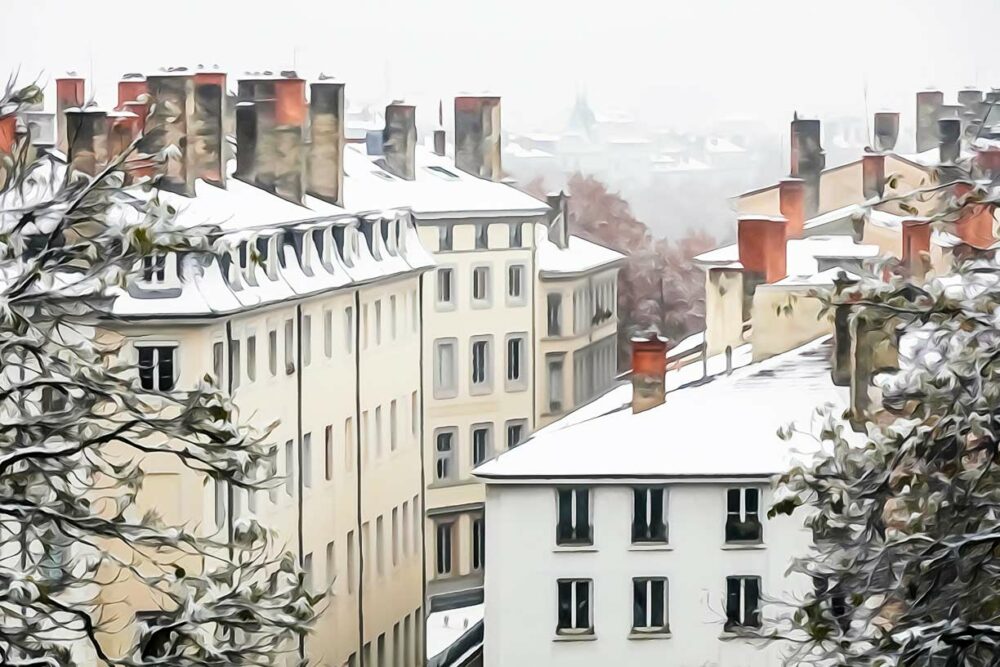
[154, 268]
[366, 229]
[319, 241]
[384, 229]
[263, 250]
[338, 239]
[243, 255]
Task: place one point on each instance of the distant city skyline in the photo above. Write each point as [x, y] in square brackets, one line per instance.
[670, 65]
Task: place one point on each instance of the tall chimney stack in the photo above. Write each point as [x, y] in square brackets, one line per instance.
[916, 244]
[558, 216]
[399, 140]
[761, 241]
[477, 136]
[439, 133]
[169, 126]
[807, 159]
[649, 370]
[950, 132]
[929, 103]
[130, 88]
[206, 131]
[69, 95]
[326, 152]
[886, 131]
[289, 128]
[873, 175]
[8, 134]
[86, 135]
[791, 202]
[270, 119]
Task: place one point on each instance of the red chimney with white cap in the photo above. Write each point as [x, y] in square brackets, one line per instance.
[761, 240]
[649, 369]
[792, 202]
[69, 95]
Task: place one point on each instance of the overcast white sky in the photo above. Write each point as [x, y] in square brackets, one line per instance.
[674, 63]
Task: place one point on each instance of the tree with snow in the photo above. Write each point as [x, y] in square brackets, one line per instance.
[906, 514]
[76, 425]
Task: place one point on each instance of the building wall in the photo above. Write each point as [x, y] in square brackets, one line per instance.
[521, 597]
[575, 343]
[723, 309]
[459, 500]
[785, 317]
[314, 516]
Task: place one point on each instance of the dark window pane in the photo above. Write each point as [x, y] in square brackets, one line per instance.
[656, 604]
[166, 368]
[565, 602]
[582, 514]
[733, 600]
[564, 532]
[752, 501]
[733, 500]
[582, 604]
[752, 601]
[146, 367]
[638, 603]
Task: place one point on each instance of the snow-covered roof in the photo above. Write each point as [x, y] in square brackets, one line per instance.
[580, 256]
[722, 427]
[518, 151]
[722, 145]
[802, 255]
[444, 628]
[440, 190]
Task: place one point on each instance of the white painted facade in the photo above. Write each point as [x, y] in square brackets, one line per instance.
[526, 562]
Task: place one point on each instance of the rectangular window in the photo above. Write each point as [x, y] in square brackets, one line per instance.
[515, 283]
[649, 605]
[514, 235]
[378, 321]
[574, 614]
[742, 602]
[306, 334]
[396, 652]
[307, 573]
[406, 527]
[417, 519]
[414, 414]
[331, 562]
[289, 347]
[154, 268]
[481, 285]
[351, 563]
[156, 367]
[743, 515]
[328, 333]
[445, 368]
[482, 436]
[220, 504]
[554, 314]
[251, 358]
[307, 460]
[380, 650]
[218, 361]
[574, 516]
[478, 543]
[290, 468]
[407, 641]
[649, 515]
[445, 287]
[481, 365]
[444, 454]
[379, 449]
[272, 351]
[515, 432]
[415, 306]
[392, 317]
[557, 389]
[349, 329]
[395, 536]
[349, 444]
[380, 545]
[235, 362]
[516, 361]
[482, 236]
[445, 237]
[393, 418]
[366, 439]
[364, 326]
[328, 450]
[443, 546]
[366, 654]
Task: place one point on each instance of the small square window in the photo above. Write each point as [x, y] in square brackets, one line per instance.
[649, 515]
[574, 521]
[574, 612]
[482, 442]
[481, 286]
[157, 364]
[649, 605]
[514, 235]
[515, 284]
[516, 431]
[743, 516]
[445, 237]
[481, 365]
[444, 455]
[445, 287]
[482, 236]
[742, 602]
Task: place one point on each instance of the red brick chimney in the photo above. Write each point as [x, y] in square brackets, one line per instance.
[975, 222]
[69, 95]
[8, 133]
[130, 88]
[761, 241]
[873, 175]
[792, 203]
[207, 134]
[169, 130]
[916, 244]
[649, 369]
[289, 148]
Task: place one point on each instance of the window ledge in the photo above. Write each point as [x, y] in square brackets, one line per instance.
[651, 547]
[568, 548]
[640, 636]
[730, 634]
[445, 306]
[481, 305]
[582, 637]
[749, 546]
